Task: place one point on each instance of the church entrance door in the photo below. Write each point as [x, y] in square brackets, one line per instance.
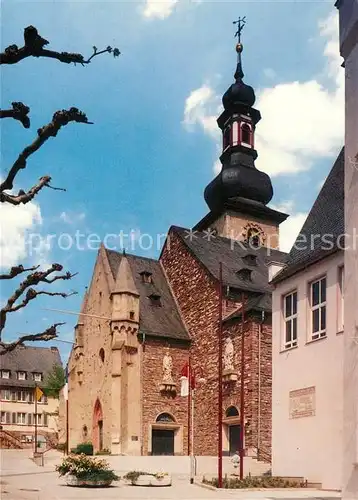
[234, 438]
[162, 442]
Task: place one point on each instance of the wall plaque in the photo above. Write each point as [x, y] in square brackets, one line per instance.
[303, 403]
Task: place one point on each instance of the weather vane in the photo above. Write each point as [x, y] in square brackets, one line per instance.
[240, 26]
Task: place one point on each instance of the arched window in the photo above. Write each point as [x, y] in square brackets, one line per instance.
[246, 134]
[165, 417]
[84, 432]
[232, 411]
[227, 137]
[101, 354]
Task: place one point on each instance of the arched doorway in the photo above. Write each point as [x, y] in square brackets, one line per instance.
[97, 431]
[232, 420]
[163, 435]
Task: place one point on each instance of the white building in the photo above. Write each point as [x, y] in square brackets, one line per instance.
[348, 17]
[308, 345]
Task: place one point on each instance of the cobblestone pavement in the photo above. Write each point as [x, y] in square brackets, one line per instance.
[23, 480]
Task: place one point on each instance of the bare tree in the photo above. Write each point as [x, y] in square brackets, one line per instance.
[34, 46]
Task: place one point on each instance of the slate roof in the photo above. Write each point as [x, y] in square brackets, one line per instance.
[29, 359]
[261, 302]
[211, 251]
[163, 321]
[325, 218]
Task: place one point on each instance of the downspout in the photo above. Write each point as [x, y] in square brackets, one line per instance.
[259, 388]
[141, 360]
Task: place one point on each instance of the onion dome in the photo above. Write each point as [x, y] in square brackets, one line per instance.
[238, 94]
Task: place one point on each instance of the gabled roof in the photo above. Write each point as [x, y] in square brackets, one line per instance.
[29, 359]
[325, 218]
[211, 250]
[163, 321]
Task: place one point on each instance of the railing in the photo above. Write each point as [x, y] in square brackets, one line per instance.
[8, 440]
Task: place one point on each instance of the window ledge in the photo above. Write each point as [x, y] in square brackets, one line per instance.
[286, 349]
[313, 341]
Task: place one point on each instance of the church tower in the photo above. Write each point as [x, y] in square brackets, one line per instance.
[239, 195]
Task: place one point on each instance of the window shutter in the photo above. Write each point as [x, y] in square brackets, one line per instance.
[45, 419]
[14, 418]
[29, 419]
[8, 417]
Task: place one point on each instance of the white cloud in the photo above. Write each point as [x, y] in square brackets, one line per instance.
[72, 217]
[290, 228]
[302, 121]
[16, 223]
[158, 9]
[201, 108]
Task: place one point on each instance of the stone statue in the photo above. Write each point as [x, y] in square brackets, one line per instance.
[167, 368]
[228, 355]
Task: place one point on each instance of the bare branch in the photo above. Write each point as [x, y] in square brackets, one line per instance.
[15, 271]
[49, 334]
[31, 294]
[21, 196]
[19, 112]
[60, 119]
[32, 279]
[34, 46]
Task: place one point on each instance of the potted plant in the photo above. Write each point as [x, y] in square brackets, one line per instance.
[83, 470]
[137, 478]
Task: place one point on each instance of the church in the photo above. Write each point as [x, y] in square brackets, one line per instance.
[143, 321]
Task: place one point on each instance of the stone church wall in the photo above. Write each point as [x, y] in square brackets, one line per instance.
[153, 401]
[96, 377]
[197, 296]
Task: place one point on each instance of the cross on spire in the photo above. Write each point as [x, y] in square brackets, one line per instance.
[240, 26]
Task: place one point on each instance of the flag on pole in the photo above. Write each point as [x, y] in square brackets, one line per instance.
[185, 375]
[38, 393]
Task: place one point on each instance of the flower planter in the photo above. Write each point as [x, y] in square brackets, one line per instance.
[85, 483]
[149, 480]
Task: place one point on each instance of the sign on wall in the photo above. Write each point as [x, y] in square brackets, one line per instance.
[303, 403]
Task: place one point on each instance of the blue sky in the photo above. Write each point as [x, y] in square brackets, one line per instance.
[144, 164]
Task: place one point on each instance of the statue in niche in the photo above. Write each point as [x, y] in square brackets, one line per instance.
[167, 368]
[228, 355]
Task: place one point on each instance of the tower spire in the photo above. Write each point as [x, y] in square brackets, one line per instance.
[239, 74]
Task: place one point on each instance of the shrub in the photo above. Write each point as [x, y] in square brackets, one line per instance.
[105, 451]
[254, 482]
[86, 468]
[83, 448]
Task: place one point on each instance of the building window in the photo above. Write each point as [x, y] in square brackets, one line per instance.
[21, 419]
[21, 375]
[101, 354]
[39, 418]
[165, 417]
[6, 395]
[246, 134]
[5, 417]
[318, 291]
[29, 419]
[341, 298]
[232, 411]
[43, 399]
[22, 396]
[227, 137]
[38, 377]
[5, 374]
[131, 315]
[290, 318]
[45, 419]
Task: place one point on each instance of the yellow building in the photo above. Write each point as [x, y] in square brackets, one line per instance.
[21, 371]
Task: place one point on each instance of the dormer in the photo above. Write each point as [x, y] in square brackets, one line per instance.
[155, 300]
[146, 276]
[250, 259]
[244, 274]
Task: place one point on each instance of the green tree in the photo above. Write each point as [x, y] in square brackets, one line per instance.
[55, 381]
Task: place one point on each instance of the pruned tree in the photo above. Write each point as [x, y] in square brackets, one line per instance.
[54, 382]
[34, 46]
